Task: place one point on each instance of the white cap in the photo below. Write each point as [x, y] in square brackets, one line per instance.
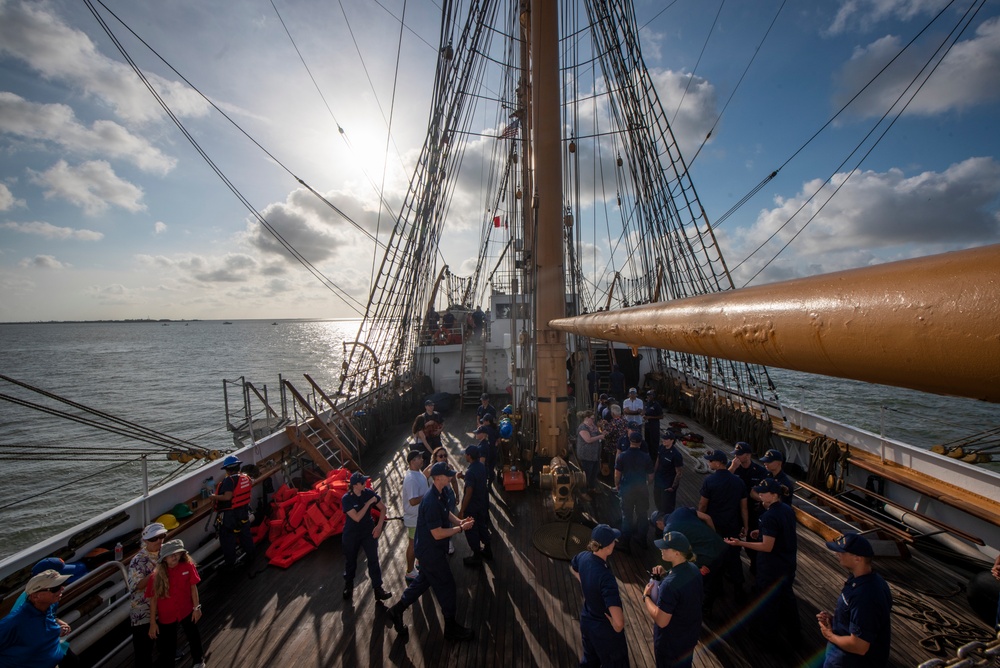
[153, 530]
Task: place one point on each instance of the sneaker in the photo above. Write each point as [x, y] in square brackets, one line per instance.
[451, 547]
[411, 576]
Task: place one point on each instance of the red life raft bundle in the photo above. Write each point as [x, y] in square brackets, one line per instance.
[301, 521]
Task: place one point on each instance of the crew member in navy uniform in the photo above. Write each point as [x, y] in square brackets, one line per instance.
[859, 631]
[633, 473]
[232, 501]
[751, 473]
[476, 504]
[667, 474]
[435, 526]
[602, 621]
[777, 545]
[774, 462]
[675, 603]
[485, 408]
[361, 531]
[652, 414]
[724, 499]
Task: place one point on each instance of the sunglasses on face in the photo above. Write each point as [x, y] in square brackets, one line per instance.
[56, 589]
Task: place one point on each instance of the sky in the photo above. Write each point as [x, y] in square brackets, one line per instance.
[107, 212]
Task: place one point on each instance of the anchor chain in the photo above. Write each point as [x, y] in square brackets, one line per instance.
[975, 653]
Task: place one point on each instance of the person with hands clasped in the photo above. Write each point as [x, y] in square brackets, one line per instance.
[602, 620]
[361, 531]
[173, 601]
[673, 600]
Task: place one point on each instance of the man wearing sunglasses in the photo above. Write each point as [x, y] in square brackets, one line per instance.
[31, 635]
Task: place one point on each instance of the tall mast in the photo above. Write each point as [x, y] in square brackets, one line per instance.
[547, 249]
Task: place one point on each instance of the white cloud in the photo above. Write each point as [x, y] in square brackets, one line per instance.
[160, 227]
[42, 262]
[7, 199]
[50, 231]
[864, 14]
[58, 124]
[35, 35]
[885, 215]
[969, 75]
[93, 186]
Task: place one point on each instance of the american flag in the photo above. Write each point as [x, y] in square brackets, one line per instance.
[510, 132]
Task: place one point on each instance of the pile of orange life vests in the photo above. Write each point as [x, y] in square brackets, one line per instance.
[300, 521]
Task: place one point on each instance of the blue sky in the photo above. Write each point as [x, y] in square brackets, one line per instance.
[106, 212]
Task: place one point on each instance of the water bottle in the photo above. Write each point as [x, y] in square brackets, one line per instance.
[206, 487]
[119, 552]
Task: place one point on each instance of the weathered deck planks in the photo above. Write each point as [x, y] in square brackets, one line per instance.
[524, 606]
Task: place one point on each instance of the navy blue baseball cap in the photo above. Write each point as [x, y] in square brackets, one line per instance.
[481, 430]
[656, 516]
[772, 455]
[742, 448]
[488, 417]
[674, 540]
[359, 477]
[472, 451]
[716, 456]
[604, 535]
[441, 468]
[413, 454]
[635, 437]
[852, 543]
[769, 486]
[428, 402]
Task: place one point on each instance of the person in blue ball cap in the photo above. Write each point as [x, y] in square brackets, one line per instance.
[859, 632]
[674, 604]
[476, 504]
[361, 532]
[602, 621]
[724, 499]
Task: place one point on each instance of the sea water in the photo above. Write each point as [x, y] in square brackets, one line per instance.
[168, 377]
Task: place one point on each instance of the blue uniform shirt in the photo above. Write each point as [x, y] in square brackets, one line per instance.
[724, 491]
[600, 589]
[705, 543]
[787, 483]
[432, 513]
[475, 477]
[669, 460]
[681, 594]
[751, 475]
[481, 411]
[778, 521]
[635, 465]
[352, 502]
[30, 637]
[862, 610]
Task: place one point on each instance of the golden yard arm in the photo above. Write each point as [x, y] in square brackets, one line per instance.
[929, 324]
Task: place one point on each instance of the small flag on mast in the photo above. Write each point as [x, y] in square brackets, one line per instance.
[496, 221]
[510, 132]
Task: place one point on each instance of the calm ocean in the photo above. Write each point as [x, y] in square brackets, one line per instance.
[169, 378]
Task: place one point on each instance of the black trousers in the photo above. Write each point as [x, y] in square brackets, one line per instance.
[166, 642]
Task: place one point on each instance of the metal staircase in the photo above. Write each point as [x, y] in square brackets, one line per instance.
[318, 438]
[473, 372]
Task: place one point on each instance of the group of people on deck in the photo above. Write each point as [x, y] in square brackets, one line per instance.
[742, 505]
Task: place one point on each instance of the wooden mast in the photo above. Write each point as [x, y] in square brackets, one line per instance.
[547, 247]
[929, 324]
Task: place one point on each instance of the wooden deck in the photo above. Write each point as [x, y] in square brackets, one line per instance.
[524, 606]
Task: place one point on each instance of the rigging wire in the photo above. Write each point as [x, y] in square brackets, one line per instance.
[874, 127]
[701, 54]
[64, 485]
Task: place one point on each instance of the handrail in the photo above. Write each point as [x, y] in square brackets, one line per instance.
[111, 605]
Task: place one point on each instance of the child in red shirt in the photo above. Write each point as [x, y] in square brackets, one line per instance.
[173, 600]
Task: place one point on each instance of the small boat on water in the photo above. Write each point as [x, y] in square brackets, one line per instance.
[672, 324]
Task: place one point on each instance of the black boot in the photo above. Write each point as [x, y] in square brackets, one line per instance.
[474, 561]
[348, 590]
[488, 553]
[455, 631]
[381, 594]
[396, 615]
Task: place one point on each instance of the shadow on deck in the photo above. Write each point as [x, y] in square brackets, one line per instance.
[524, 606]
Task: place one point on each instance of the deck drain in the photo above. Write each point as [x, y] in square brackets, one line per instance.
[561, 540]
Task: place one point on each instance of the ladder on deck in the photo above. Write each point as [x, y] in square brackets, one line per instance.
[472, 377]
[603, 359]
[318, 438]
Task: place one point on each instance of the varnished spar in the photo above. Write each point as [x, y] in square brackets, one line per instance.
[930, 324]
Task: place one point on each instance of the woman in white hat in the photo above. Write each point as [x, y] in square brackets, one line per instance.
[173, 600]
[139, 571]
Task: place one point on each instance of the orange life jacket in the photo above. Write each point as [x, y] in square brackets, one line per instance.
[241, 493]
